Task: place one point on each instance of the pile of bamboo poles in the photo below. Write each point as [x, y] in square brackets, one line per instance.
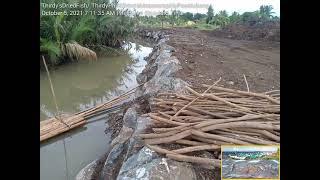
[205, 121]
[57, 125]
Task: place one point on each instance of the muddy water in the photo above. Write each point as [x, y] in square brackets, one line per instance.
[79, 86]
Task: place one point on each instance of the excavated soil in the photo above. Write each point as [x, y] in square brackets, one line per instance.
[257, 31]
[206, 57]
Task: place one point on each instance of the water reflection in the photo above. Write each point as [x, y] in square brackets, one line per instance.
[79, 86]
[84, 84]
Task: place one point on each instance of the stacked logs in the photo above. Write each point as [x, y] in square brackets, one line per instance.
[196, 122]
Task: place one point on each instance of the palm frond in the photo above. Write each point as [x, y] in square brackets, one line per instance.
[84, 26]
[73, 50]
[50, 48]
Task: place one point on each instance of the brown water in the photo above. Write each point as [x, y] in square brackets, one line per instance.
[79, 86]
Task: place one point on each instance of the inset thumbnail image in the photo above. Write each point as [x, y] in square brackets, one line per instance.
[250, 162]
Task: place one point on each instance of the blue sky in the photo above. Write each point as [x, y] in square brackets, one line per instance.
[228, 5]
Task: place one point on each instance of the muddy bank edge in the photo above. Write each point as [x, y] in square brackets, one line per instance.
[128, 158]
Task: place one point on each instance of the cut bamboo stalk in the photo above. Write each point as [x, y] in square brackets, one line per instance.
[245, 93]
[157, 130]
[190, 113]
[188, 142]
[255, 125]
[217, 137]
[196, 148]
[52, 91]
[160, 135]
[167, 120]
[196, 98]
[248, 119]
[237, 132]
[243, 118]
[210, 141]
[59, 131]
[201, 111]
[227, 102]
[52, 127]
[265, 133]
[169, 139]
[250, 139]
[171, 117]
[58, 125]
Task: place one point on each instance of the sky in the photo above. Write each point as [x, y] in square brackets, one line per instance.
[251, 148]
[228, 5]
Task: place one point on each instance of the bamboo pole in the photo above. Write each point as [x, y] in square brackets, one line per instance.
[188, 142]
[217, 137]
[245, 118]
[245, 93]
[59, 131]
[196, 98]
[255, 125]
[52, 91]
[196, 148]
[169, 139]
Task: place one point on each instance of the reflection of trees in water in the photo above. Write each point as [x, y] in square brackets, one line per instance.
[128, 74]
[81, 87]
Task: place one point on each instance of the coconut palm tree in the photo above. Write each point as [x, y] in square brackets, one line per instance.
[266, 11]
[76, 37]
[209, 14]
[234, 17]
[163, 17]
[60, 38]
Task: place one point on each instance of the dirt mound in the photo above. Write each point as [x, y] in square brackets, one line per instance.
[260, 31]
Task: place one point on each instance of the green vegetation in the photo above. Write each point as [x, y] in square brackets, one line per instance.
[208, 21]
[163, 17]
[188, 16]
[73, 37]
[66, 38]
[209, 14]
[220, 19]
[235, 17]
[273, 156]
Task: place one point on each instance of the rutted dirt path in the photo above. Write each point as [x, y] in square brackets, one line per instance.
[205, 58]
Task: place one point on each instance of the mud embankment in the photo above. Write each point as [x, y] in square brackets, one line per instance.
[128, 158]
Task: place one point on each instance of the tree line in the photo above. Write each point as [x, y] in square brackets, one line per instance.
[222, 18]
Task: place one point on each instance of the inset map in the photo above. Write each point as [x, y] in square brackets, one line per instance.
[250, 162]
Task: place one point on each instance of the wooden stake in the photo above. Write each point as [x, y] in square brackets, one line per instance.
[53, 94]
[196, 98]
